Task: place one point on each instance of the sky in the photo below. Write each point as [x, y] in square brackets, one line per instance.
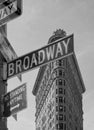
[31, 31]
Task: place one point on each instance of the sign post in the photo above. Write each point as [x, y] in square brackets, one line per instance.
[3, 86]
[9, 9]
[58, 49]
[15, 101]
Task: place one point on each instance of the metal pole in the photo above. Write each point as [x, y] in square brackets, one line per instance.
[3, 85]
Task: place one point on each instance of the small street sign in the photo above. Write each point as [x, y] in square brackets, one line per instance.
[10, 9]
[15, 101]
[60, 48]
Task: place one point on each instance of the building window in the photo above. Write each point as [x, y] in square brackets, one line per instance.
[64, 117]
[56, 117]
[64, 126]
[60, 81]
[56, 108]
[64, 109]
[60, 99]
[56, 91]
[64, 91]
[60, 72]
[60, 90]
[64, 83]
[59, 62]
[60, 116]
[63, 73]
[64, 62]
[60, 126]
[56, 99]
[64, 100]
[52, 65]
[60, 108]
[56, 81]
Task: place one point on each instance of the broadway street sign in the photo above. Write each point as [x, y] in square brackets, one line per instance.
[15, 101]
[10, 9]
[58, 49]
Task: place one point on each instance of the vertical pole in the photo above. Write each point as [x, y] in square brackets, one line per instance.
[3, 85]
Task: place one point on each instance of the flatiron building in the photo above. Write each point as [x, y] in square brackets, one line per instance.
[58, 92]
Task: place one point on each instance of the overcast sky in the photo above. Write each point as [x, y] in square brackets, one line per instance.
[32, 30]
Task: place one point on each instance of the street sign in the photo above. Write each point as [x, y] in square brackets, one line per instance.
[10, 9]
[15, 101]
[60, 48]
[8, 52]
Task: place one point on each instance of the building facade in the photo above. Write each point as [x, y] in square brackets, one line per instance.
[58, 92]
